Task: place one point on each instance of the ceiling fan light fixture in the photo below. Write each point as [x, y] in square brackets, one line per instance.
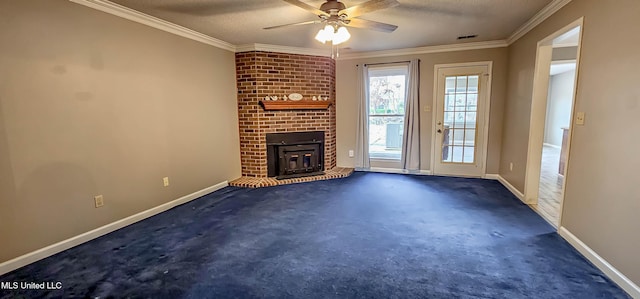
[336, 16]
[329, 33]
[341, 35]
[321, 36]
[325, 34]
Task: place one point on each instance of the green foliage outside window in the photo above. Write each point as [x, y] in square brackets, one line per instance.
[386, 95]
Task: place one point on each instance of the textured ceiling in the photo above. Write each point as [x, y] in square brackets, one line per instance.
[420, 22]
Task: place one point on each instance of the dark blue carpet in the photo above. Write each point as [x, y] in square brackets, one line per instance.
[367, 236]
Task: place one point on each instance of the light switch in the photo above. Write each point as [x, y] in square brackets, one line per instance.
[580, 118]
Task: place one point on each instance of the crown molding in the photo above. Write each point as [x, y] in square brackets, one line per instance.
[538, 18]
[136, 16]
[283, 49]
[426, 50]
[145, 19]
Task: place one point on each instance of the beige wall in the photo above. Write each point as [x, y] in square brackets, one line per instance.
[346, 93]
[602, 191]
[94, 104]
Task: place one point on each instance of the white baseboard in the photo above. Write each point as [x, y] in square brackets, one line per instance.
[604, 266]
[517, 193]
[488, 176]
[50, 250]
[624, 282]
[394, 170]
[491, 176]
[505, 183]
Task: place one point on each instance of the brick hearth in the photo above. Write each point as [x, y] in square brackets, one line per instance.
[252, 182]
[261, 74]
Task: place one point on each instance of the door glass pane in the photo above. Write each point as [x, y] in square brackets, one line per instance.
[450, 85]
[461, 101]
[469, 154]
[458, 121]
[472, 102]
[449, 102]
[448, 118]
[473, 83]
[450, 136]
[470, 137]
[461, 84]
[470, 119]
[446, 154]
[458, 136]
[446, 138]
[456, 154]
[461, 105]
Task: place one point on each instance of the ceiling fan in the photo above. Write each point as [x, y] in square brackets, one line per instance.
[336, 16]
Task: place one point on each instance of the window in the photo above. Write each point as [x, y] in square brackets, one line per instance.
[387, 92]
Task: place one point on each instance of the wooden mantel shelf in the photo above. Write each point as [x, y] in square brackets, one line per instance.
[295, 105]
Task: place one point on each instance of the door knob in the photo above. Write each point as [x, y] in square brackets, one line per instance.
[439, 131]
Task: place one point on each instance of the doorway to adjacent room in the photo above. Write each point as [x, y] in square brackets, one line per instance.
[551, 121]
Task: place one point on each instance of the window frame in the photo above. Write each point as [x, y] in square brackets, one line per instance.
[386, 71]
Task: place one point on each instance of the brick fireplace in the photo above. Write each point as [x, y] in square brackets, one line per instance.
[268, 74]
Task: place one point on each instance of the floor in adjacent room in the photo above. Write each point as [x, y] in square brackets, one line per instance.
[369, 235]
[550, 191]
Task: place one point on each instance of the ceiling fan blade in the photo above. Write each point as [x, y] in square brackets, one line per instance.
[373, 25]
[367, 7]
[306, 7]
[294, 24]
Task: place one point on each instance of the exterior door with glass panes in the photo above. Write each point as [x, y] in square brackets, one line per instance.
[461, 94]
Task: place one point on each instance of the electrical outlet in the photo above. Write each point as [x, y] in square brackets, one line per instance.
[99, 200]
[427, 108]
[511, 166]
[165, 181]
[351, 154]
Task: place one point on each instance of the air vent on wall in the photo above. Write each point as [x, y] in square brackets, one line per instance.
[467, 36]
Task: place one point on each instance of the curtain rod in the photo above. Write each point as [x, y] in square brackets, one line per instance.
[381, 63]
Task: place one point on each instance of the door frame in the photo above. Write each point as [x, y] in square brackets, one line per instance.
[538, 114]
[486, 112]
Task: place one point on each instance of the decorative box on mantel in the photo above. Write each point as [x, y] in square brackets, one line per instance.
[295, 105]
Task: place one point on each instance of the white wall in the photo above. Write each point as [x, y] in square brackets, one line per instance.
[559, 106]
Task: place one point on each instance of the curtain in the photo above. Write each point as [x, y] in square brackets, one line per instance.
[362, 126]
[411, 134]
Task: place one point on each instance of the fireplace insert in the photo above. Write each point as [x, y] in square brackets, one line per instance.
[296, 154]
